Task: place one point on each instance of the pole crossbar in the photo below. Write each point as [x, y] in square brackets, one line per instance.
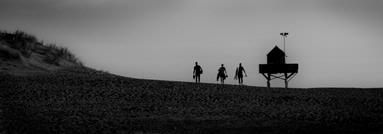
[285, 76]
[264, 75]
[278, 77]
[291, 76]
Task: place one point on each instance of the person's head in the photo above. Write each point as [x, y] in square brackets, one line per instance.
[196, 63]
[221, 65]
[240, 64]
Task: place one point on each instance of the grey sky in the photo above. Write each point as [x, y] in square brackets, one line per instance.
[337, 43]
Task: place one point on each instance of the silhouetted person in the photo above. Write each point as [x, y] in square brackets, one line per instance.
[239, 74]
[197, 72]
[222, 74]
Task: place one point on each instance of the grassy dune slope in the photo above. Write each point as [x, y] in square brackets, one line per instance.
[87, 101]
[22, 53]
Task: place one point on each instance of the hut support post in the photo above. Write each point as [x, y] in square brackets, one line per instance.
[268, 80]
[286, 82]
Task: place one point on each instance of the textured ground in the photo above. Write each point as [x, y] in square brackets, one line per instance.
[84, 101]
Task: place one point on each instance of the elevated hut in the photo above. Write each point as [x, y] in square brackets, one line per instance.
[276, 67]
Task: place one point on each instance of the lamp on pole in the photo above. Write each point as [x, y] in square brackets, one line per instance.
[284, 36]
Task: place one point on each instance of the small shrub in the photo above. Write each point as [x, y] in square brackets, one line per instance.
[20, 35]
[63, 53]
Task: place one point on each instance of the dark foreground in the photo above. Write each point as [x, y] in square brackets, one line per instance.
[85, 101]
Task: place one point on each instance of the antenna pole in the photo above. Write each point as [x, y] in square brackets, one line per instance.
[284, 44]
[284, 35]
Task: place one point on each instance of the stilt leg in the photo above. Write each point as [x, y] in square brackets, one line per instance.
[286, 82]
[268, 81]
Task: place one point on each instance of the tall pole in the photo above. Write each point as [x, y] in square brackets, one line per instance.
[284, 35]
[284, 45]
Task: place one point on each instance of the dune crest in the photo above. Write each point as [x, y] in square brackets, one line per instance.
[21, 52]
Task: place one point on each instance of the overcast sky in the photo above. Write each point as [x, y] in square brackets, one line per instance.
[337, 43]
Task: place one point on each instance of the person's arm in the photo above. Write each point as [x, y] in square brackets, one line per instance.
[193, 71]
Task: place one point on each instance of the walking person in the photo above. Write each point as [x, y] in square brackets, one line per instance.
[222, 74]
[239, 74]
[197, 73]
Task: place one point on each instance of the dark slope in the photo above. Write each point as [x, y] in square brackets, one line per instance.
[88, 101]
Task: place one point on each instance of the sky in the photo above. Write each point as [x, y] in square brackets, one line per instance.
[337, 43]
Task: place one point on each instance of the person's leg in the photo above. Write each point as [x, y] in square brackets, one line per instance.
[239, 80]
[199, 78]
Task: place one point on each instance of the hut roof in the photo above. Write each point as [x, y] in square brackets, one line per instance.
[276, 51]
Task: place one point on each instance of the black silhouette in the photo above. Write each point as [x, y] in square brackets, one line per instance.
[239, 74]
[276, 64]
[197, 73]
[222, 74]
[276, 56]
